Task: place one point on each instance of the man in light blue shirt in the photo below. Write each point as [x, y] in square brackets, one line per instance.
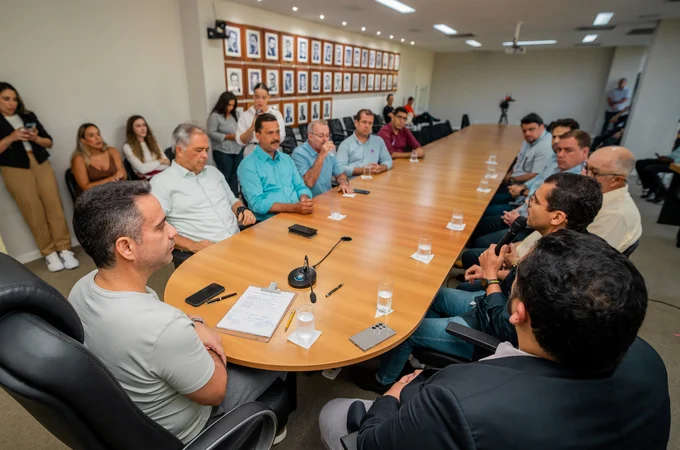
[269, 179]
[363, 149]
[316, 162]
[535, 153]
[196, 198]
[617, 99]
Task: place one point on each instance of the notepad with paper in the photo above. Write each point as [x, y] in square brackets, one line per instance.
[256, 314]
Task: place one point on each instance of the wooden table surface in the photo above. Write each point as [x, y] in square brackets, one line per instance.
[405, 202]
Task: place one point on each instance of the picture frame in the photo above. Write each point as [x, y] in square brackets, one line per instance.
[328, 53]
[327, 82]
[233, 45]
[389, 82]
[348, 56]
[287, 48]
[362, 82]
[383, 82]
[355, 82]
[357, 57]
[316, 52]
[364, 57]
[346, 82]
[337, 82]
[253, 44]
[397, 61]
[274, 105]
[390, 66]
[385, 61]
[271, 46]
[234, 80]
[370, 82]
[371, 59]
[395, 82]
[339, 54]
[273, 80]
[289, 113]
[316, 82]
[302, 81]
[327, 108]
[254, 74]
[314, 110]
[378, 60]
[302, 50]
[288, 79]
[302, 111]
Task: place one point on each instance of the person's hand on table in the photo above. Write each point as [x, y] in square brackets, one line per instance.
[345, 189]
[509, 217]
[492, 263]
[474, 273]
[378, 168]
[516, 190]
[395, 390]
[210, 339]
[247, 217]
[305, 206]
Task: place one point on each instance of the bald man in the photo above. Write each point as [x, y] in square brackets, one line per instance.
[618, 221]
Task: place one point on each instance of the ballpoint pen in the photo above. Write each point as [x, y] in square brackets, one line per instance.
[334, 289]
[222, 298]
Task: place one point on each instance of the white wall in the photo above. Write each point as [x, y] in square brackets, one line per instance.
[97, 61]
[416, 65]
[553, 83]
[653, 124]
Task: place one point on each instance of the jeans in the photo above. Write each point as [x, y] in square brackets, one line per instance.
[648, 170]
[424, 118]
[497, 210]
[470, 257]
[502, 196]
[431, 333]
[228, 163]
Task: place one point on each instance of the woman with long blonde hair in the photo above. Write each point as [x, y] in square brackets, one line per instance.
[141, 149]
[93, 162]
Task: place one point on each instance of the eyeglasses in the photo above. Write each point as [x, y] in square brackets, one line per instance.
[327, 135]
[596, 172]
[401, 117]
[533, 201]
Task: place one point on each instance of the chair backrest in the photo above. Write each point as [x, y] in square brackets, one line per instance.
[169, 153]
[465, 122]
[424, 135]
[447, 128]
[629, 251]
[379, 120]
[71, 183]
[349, 124]
[131, 174]
[46, 368]
[302, 128]
[337, 132]
[290, 133]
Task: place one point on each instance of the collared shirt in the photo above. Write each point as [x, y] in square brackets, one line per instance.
[505, 350]
[218, 127]
[246, 120]
[618, 223]
[304, 158]
[352, 153]
[538, 180]
[617, 94]
[534, 157]
[199, 206]
[675, 155]
[403, 141]
[266, 180]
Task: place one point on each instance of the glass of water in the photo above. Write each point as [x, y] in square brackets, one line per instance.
[385, 289]
[424, 246]
[484, 185]
[335, 208]
[414, 156]
[457, 218]
[490, 170]
[305, 322]
[492, 158]
[367, 173]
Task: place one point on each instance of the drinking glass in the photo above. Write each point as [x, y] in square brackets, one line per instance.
[492, 159]
[335, 208]
[457, 218]
[484, 185]
[414, 156]
[305, 322]
[490, 170]
[367, 173]
[385, 289]
[424, 246]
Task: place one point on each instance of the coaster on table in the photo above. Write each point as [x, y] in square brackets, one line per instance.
[349, 195]
[366, 177]
[494, 176]
[379, 314]
[293, 337]
[484, 191]
[421, 259]
[414, 161]
[453, 227]
[340, 217]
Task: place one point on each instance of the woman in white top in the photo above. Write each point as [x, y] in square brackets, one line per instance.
[245, 132]
[142, 150]
[222, 124]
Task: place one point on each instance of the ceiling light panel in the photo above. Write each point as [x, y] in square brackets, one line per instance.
[397, 6]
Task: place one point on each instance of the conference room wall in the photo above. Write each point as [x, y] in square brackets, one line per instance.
[415, 68]
[552, 83]
[76, 61]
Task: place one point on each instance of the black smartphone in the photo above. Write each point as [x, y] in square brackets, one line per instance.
[204, 294]
[30, 125]
[362, 191]
[302, 230]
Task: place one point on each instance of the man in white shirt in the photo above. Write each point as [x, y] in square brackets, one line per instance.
[618, 221]
[245, 130]
[195, 197]
[617, 99]
[172, 366]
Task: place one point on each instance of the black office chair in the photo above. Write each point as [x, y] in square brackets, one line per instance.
[423, 135]
[131, 174]
[349, 125]
[629, 251]
[46, 368]
[71, 183]
[169, 153]
[447, 128]
[465, 122]
[337, 132]
[302, 128]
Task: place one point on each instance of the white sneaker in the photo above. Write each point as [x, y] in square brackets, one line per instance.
[54, 264]
[280, 436]
[415, 363]
[70, 261]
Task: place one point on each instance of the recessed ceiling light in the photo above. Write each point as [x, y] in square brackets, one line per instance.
[603, 18]
[544, 42]
[402, 39]
[391, 36]
[321, 17]
[397, 6]
[344, 24]
[589, 38]
[294, 8]
[378, 33]
[445, 29]
[363, 28]
[413, 42]
[473, 43]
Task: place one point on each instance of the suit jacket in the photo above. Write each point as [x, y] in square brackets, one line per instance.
[15, 155]
[527, 403]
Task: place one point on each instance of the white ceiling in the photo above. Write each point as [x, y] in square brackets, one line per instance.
[491, 21]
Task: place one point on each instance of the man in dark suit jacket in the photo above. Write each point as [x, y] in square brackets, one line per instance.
[580, 379]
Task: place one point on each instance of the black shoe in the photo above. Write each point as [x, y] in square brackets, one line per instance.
[436, 120]
[646, 193]
[365, 379]
[656, 198]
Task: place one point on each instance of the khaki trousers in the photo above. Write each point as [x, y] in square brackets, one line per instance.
[37, 195]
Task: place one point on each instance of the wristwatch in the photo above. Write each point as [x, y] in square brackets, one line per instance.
[198, 320]
[485, 282]
[240, 210]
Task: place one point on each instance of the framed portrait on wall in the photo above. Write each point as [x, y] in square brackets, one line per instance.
[275, 105]
[288, 82]
[234, 76]
[328, 53]
[371, 80]
[232, 45]
[271, 44]
[364, 57]
[288, 114]
[272, 81]
[316, 82]
[338, 54]
[395, 83]
[337, 83]
[378, 60]
[371, 59]
[385, 61]
[287, 48]
[357, 57]
[253, 44]
[362, 83]
[302, 82]
[302, 50]
[302, 111]
[316, 52]
[327, 108]
[389, 82]
[383, 82]
[315, 110]
[397, 60]
[254, 77]
[327, 82]
[348, 56]
[346, 82]
[391, 64]
[355, 82]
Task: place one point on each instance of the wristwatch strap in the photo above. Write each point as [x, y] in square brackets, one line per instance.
[198, 320]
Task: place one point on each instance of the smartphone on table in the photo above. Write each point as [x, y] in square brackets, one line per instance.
[204, 294]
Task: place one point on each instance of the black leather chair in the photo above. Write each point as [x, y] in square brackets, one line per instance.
[46, 368]
[289, 142]
[423, 135]
[349, 125]
[131, 174]
[71, 184]
[447, 128]
[302, 128]
[169, 153]
[629, 251]
[465, 122]
[337, 132]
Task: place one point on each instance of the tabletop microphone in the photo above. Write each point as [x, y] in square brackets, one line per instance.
[518, 225]
[305, 276]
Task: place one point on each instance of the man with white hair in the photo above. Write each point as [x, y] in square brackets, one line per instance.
[316, 162]
[618, 221]
[196, 198]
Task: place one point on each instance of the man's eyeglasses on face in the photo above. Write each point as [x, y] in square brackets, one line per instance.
[401, 117]
[594, 171]
[327, 135]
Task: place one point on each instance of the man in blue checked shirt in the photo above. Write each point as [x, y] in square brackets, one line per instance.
[362, 149]
[269, 179]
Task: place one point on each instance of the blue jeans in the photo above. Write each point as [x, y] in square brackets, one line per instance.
[431, 333]
[228, 164]
[497, 210]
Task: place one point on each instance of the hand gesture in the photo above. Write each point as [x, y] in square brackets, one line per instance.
[511, 257]
[490, 263]
[516, 190]
[509, 217]
[474, 273]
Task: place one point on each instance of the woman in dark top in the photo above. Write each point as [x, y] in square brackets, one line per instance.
[222, 124]
[29, 178]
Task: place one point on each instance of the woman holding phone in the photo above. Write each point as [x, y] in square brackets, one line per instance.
[29, 178]
[245, 132]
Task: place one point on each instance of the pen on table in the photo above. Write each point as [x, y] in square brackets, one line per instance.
[290, 319]
[334, 289]
[222, 298]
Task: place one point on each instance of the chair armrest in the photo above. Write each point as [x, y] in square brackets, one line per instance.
[349, 442]
[239, 419]
[482, 340]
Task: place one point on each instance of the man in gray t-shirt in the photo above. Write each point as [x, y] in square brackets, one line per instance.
[172, 366]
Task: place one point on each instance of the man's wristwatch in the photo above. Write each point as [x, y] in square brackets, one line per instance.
[485, 282]
[240, 210]
[198, 320]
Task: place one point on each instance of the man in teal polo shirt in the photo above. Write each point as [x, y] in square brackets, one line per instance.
[363, 149]
[316, 162]
[269, 180]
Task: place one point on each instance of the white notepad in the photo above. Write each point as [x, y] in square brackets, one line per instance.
[256, 313]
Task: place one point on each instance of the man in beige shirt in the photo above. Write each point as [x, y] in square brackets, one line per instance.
[618, 222]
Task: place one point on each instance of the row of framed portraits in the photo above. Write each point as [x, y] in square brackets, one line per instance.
[299, 112]
[257, 44]
[282, 81]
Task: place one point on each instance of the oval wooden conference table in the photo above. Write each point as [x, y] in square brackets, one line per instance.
[405, 202]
